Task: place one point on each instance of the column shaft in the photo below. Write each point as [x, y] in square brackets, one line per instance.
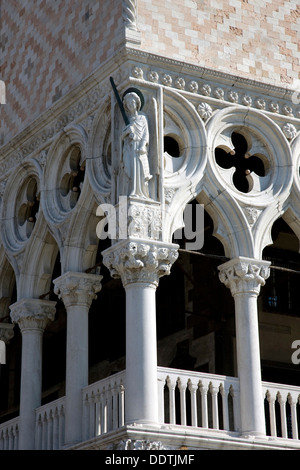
[77, 290]
[244, 277]
[141, 354]
[248, 362]
[76, 369]
[32, 315]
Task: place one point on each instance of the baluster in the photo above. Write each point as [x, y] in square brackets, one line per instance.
[16, 442]
[109, 408]
[161, 400]
[293, 403]
[271, 399]
[92, 415]
[172, 386]
[215, 415]
[98, 415]
[193, 389]
[38, 433]
[44, 432]
[204, 408]
[104, 411]
[121, 405]
[50, 432]
[55, 430]
[1, 441]
[114, 407]
[236, 408]
[224, 390]
[61, 429]
[6, 443]
[282, 403]
[182, 389]
[11, 439]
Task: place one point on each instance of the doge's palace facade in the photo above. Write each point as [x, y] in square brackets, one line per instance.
[211, 102]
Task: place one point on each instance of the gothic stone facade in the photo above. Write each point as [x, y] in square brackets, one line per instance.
[218, 125]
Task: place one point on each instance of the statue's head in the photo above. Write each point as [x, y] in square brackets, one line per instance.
[135, 95]
[131, 99]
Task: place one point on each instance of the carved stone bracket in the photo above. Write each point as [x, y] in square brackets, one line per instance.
[76, 288]
[33, 314]
[244, 275]
[136, 260]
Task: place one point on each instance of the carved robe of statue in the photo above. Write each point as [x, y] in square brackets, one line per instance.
[135, 142]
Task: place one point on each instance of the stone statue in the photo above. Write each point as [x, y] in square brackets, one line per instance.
[135, 142]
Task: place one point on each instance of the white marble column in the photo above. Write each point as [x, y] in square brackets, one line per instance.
[32, 316]
[140, 264]
[77, 291]
[244, 277]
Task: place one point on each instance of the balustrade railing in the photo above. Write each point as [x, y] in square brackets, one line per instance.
[9, 433]
[282, 410]
[104, 406]
[206, 401]
[50, 425]
[198, 399]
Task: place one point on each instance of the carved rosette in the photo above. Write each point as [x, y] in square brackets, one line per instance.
[140, 261]
[6, 332]
[244, 275]
[77, 288]
[33, 314]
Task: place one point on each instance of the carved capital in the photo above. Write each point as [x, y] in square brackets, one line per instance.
[33, 314]
[244, 275]
[136, 260]
[77, 288]
[6, 332]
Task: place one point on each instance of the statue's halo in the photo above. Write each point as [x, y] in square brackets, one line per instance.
[138, 92]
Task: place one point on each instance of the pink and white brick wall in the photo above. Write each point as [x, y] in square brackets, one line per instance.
[256, 39]
[48, 47]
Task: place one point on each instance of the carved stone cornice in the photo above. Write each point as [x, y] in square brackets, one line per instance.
[76, 288]
[6, 332]
[136, 260]
[244, 275]
[33, 314]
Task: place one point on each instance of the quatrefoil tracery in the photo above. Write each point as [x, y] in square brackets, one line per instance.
[29, 207]
[244, 160]
[73, 176]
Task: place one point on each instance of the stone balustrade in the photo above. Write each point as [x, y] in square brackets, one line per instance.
[199, 399]
[50, 425]
[9, 435]
[186, 398]
[282, 410]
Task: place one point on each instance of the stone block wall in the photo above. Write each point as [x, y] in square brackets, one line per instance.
[255, 39]
[47, 48]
